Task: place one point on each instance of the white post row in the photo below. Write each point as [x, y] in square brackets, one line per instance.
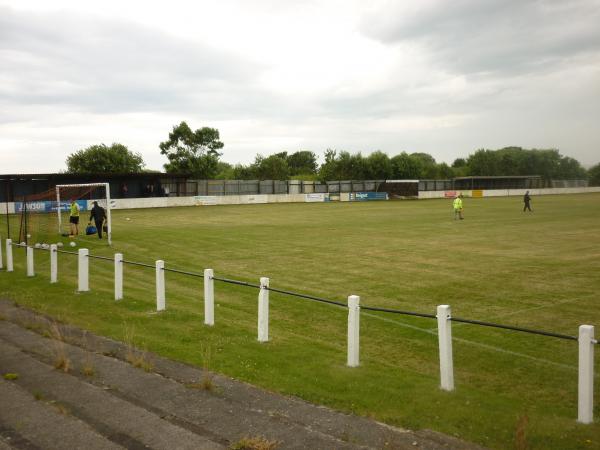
[1, 258]
[445, 345]
[209, 297]
[53, 263]
[160, 285]
[9, 256]
[353, 330]
[83, 270]
[118, 276]
[30, 268]
[585, 404]
[263, 310]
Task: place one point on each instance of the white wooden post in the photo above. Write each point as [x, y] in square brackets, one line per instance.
[118, 276]
[353, 330]
[263, 310]
[445, 344]
[30, 269]
[1, 258]
[160, 285]
[53, 263]
[585, 410]
[83, 270]
[209, 297]
[9, 256]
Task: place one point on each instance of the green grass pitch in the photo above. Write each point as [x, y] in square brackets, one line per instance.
[538, 270]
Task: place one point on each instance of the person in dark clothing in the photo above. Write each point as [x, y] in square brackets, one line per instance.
[98, 214]
[527, 200]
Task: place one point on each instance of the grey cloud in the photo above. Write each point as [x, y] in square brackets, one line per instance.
[494, 37]
[111, 66]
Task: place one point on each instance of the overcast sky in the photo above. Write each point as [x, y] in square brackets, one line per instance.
[442, 77]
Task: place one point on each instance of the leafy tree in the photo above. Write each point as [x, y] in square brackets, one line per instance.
[192, 152]
[379, 166]
[225, 171]
[241, 172]
[459, 162]
[429, 169]
[274, 167]
[102, 159]
[548, 163]
[594, 175]
[406, 167]
[328, 170]
[445, 171]
[302, 163]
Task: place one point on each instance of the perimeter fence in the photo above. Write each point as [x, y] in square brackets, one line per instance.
[443, 314]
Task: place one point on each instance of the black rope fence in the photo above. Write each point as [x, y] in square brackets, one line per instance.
[183, 272]
[100, 257]
[332, 302]
[133, 263]
[308, 297]
[510, 327]
[239, 283]
[66, 252]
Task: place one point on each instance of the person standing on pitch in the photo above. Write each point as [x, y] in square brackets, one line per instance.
[98, 214]
[458, 207]
[74, 217]
[527, 200]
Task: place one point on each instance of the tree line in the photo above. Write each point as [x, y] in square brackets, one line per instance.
[197, 153]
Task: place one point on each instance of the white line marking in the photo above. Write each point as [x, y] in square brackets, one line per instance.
[479, 344]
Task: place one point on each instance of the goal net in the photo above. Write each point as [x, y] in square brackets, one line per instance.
[45, 217]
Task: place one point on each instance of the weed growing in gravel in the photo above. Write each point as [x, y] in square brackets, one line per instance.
[254, 443]
[134, 356]
[206, 382]
[59, 350]
[88, 364]
[62, 409]
[11, 376]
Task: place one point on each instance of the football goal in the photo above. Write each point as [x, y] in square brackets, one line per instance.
[45, 216]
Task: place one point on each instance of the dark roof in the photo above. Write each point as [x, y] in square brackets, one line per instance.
[51, 176]
[497, 177]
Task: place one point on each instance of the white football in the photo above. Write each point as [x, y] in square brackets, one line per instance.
[45, 246]
[59, 244]
[127, 218]
[23, 244]
[37, 245]
[72, 244]
[28, 235]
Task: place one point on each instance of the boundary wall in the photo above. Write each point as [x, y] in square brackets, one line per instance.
[210, 200]
[477, 193]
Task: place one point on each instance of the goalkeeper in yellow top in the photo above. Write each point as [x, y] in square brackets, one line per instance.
[74, 217]
[458, 207]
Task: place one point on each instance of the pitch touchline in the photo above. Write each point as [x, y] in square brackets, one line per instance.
[519, 311]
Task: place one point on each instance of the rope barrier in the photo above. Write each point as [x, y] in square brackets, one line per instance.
[510, 327]
[240, 283]
[398, 311]
[309, 297]
[183, 272]
[67, 252]
[332, 302]
[133, 263]
[100, 257]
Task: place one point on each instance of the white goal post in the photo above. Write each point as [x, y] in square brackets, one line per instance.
[106, 187]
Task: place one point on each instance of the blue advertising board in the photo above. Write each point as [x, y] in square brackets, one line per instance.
[49, 206]
[366, 196]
